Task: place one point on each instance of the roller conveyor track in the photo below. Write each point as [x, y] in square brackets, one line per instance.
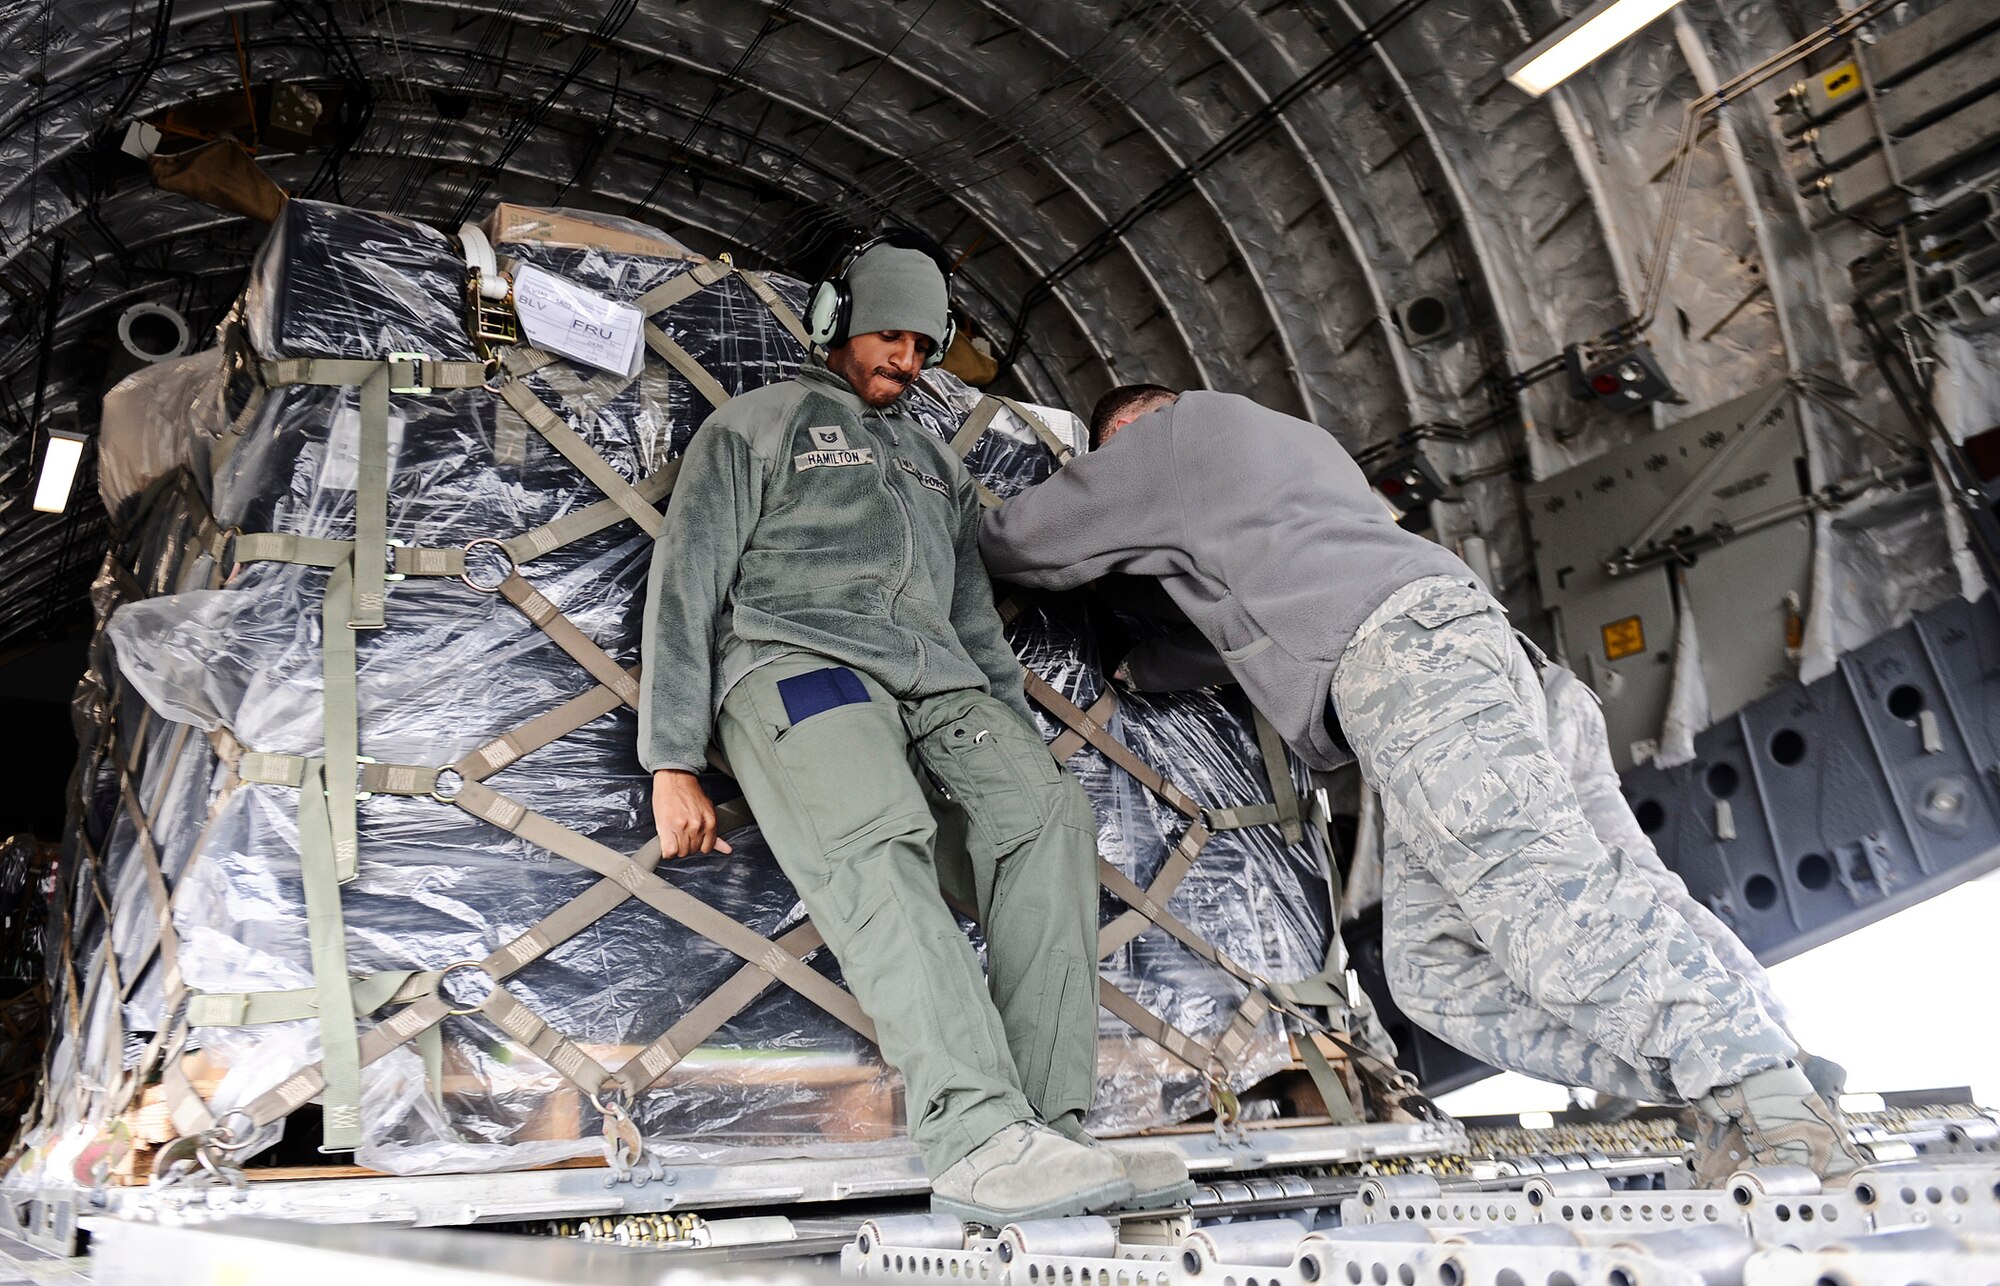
[1934, 1222]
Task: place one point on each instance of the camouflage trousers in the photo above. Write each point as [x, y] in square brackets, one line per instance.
[1577, 735]
[1510, 929]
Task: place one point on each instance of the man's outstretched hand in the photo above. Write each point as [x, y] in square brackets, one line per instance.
[685, 818]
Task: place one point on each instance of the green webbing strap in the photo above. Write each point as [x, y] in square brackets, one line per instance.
[166, 940]
[701, 277]
[556, 431]
[405, 372]
[665, 296]
[548, 933]
[968, 436]
[1125, 890]
[267, 769]
[1278, 768]
[1129, 925]
[1096, 735]
[982, 417]
[643, 1070]
[522, 360]
[1069, 741]
[683, 361]
[1235, 1038]
[975, 426]
[1323, 824]
[1040, 428]
[371, 505]
[510, 432]
[589, 520]
[342, 719]
[544, 728]
[779, 308]
[544, 1041]
[339, 1039]
[1338, 1105]
[284, 547]
[185, 1106]
[676, 904]
[255, 1008]
[313, 551]
[550, 621]
[1243, 816]
[684, 286]
[1153, 1027]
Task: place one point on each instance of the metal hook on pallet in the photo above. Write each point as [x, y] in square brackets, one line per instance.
[197, 1160]
[624, 1144]
[1227, 1107]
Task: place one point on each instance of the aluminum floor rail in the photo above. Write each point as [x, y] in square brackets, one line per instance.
[1935, 1223]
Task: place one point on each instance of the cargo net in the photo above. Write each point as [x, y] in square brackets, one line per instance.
[359, 823]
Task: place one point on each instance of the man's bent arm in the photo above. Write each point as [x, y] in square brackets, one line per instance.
[708, 523]
[973, 615]
[1113, 510]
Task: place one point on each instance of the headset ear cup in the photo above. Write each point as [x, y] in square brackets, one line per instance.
[944, 343]
[823, 315]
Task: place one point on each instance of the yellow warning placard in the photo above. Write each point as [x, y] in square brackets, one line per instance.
[1844, 79]
[1624, 638]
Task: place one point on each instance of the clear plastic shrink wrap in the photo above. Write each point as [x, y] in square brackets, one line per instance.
[199, 654]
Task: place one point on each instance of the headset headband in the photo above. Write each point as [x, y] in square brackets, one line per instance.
[900, 239]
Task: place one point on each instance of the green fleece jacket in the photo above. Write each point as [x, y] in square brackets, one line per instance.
[805, 520]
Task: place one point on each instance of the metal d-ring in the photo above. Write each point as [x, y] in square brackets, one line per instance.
[456, 1011]
[225, 1139]
[501, 545]
[437, 786]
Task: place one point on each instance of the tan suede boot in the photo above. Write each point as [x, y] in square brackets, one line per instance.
[1772, 1117]
[1029, 1172]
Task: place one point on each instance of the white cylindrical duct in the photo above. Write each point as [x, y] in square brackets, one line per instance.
[153, 332]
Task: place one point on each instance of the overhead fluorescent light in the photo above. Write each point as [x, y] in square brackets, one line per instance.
[59, 460]
[1577, 43]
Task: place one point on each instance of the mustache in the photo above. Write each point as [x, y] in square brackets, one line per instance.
[904, 378]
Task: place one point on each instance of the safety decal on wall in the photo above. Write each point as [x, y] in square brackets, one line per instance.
[1844, 79]
[1624, 638]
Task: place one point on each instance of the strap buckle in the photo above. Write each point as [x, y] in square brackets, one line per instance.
[416, 362]
[360, 795]
[391, 546]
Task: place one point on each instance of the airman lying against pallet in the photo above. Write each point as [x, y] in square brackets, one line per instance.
[818, 606]
[1511, 930]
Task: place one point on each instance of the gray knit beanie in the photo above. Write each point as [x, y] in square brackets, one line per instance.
[897, 289]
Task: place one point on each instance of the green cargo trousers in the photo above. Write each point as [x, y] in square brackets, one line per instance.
[833, 767]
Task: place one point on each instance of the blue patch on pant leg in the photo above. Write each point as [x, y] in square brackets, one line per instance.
[818, 691]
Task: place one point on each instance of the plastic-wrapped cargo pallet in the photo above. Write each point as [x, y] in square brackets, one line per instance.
[411, 809]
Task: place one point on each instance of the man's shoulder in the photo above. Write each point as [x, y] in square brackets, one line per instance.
[760, 416]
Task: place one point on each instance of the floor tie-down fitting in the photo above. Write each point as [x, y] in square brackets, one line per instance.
[1936, 1222]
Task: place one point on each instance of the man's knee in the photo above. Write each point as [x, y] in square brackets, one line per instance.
[849, 882]
[1405, 978]
[1069, 806]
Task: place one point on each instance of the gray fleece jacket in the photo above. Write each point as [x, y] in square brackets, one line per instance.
[805, 520]
[1259, 525]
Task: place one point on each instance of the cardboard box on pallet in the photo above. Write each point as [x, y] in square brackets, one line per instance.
[580, 229]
